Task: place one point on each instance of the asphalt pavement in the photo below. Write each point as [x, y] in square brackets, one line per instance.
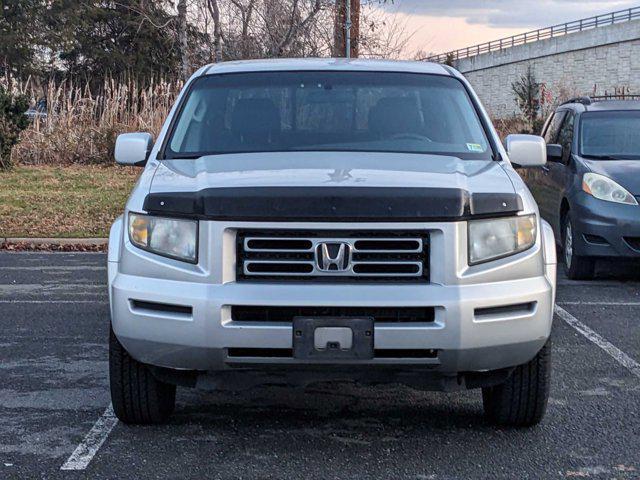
[55, 420]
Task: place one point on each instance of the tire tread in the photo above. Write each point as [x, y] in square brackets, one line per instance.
[137, 396]
[522, 399]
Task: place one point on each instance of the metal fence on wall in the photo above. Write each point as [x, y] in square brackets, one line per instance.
[620, 16]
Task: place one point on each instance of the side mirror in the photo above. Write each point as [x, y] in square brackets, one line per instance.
[554, 153]
[526, 150]
[133, 148]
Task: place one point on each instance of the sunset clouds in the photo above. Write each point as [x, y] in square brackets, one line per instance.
[439, 26]
[512, 13]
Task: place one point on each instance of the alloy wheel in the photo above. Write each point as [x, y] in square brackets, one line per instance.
[568, 244]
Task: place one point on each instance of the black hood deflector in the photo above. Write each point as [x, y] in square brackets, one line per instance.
[332, 204]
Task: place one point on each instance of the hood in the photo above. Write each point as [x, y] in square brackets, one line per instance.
[317, 186]
[624, 172]
[327, 169]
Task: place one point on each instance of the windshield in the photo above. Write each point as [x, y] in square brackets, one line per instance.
[613, 135]
[338, 111]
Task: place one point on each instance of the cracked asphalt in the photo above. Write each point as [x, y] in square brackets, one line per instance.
[54, 387]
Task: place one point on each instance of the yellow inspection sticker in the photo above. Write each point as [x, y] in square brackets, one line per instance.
[475, 147]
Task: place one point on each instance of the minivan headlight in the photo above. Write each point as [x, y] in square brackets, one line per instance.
[604, 188]
[500, 237]
[169, 237]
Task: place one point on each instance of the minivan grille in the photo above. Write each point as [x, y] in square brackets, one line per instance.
[333, 255]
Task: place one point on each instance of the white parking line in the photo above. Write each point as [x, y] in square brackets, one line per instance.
[604, 304]
[82, 455]
[44, 268]
[87, 449]
[54, 301]
[617, 354]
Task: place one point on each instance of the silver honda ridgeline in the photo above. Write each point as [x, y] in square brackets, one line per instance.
[316, 220]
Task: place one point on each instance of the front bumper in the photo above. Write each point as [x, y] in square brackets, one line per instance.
[465, 340]
[466, 336]
[605, 229]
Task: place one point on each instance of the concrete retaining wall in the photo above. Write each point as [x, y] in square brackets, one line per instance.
[593, 62]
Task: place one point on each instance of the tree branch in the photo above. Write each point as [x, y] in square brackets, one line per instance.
[214, 10]
[295, 28]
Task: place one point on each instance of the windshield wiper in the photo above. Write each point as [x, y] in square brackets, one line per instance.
[184, 156]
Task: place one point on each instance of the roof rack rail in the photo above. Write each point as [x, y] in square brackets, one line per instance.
[582, 100]
[616, 97]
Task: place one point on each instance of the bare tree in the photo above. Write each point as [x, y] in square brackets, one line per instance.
[246, 15]
[297, 25]
[383, 34]
[264, 28]
[214, 10]
[183, 32]
[242, 29]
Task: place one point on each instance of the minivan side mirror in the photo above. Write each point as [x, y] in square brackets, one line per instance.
[133, 148]
[526, 150]
[554, 153]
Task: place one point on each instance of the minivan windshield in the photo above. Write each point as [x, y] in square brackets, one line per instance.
[328, 111]
[610, 135]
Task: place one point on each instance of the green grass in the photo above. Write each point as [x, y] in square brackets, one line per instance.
[73, 201]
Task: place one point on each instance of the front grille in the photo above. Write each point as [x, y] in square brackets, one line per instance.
[242, 313]
[333, 255]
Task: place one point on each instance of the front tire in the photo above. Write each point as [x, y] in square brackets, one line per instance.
[137, 396]
[576, 267]
[521, 401]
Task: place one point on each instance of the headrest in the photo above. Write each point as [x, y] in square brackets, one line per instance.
[393, 115]
[255, 116]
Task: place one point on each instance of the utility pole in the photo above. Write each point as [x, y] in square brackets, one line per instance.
[346, 31]
[347, 28]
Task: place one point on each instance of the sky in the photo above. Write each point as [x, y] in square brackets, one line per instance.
[440, 26]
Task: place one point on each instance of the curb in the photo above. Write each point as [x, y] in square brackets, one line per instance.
[56, 241]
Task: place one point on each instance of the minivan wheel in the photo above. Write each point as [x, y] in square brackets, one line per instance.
[521, 401]
[576, 267]
[137, 396]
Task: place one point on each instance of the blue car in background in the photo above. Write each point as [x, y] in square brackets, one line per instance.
[38, 111]
[589, 190]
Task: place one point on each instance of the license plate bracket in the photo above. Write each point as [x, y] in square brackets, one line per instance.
[327, 338]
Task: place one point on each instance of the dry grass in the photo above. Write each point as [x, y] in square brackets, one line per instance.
[506, 126]
[65, 184]
[70, 201]
[81, 127]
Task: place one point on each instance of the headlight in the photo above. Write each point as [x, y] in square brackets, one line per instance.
[500, 237]
[606, 189]
[169, 237]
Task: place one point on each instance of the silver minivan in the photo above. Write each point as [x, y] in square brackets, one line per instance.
[302, 221]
